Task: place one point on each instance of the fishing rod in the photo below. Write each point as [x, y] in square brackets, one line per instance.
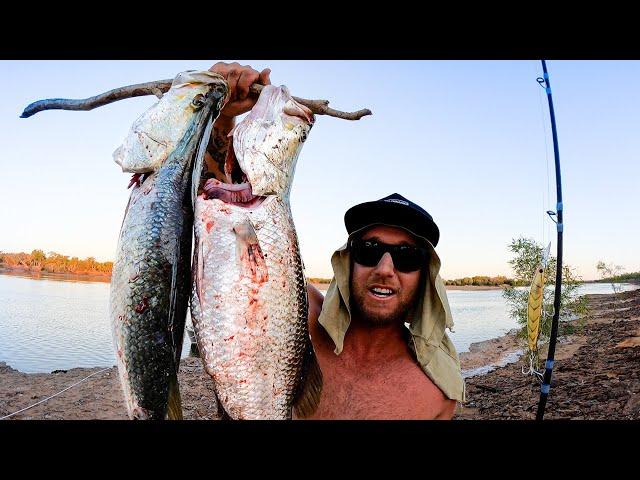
[546, 380]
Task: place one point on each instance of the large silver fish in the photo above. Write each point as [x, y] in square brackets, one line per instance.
[150, 281]
[249, 300]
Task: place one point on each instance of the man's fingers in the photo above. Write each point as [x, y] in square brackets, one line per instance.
[264, 79]
[240, 78]
[247, 78]
[232, 80]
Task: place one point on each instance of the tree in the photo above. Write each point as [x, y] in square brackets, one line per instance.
[37, 259]
[612, 273]
[528, 254]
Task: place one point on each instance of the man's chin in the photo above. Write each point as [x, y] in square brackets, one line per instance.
[380, 319]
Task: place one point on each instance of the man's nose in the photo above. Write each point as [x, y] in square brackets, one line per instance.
[385, 265]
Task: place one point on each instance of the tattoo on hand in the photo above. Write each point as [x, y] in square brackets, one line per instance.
[217, 149]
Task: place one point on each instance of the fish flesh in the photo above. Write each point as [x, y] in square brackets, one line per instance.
[249, 303]
[150, 280]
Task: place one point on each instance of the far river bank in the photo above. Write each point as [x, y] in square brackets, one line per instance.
[106, 278]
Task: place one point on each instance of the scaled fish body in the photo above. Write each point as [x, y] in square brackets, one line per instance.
[249, 299]
[150, 278]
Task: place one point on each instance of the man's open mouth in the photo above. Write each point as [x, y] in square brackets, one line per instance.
[237, 188]
[382, 292]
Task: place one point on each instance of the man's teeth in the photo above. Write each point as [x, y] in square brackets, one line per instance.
[381, 291]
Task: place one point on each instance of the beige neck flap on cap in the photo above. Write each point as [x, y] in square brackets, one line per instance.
[432, 347]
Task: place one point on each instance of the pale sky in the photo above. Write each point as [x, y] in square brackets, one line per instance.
[469, 141]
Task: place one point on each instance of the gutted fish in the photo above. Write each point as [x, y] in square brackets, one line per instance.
[249, 298]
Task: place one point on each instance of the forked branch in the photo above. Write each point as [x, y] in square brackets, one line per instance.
[157, 88]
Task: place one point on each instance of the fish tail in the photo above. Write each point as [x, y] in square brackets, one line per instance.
[175, 402]
[308, 397]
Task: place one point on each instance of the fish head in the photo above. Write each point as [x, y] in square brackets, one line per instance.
[155, 135]
[267, 142]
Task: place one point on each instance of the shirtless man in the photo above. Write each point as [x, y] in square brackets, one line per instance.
[379, 332]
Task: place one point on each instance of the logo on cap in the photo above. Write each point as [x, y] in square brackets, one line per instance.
[394, 200]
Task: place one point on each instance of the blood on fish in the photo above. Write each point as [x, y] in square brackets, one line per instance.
[143, 305]
[209, 225]
[256, 263]
[135, 180]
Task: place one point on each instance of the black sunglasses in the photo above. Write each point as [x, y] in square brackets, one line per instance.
[406, 258]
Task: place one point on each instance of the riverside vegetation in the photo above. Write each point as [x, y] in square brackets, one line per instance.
[52, 262]
[527, 255]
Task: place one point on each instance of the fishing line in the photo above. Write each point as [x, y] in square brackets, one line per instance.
[55, 395]
[546, 155]
[546, 234]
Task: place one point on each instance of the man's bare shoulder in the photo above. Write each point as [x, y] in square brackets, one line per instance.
[316, 299]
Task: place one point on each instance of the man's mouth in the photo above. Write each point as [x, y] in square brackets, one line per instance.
[382, 292]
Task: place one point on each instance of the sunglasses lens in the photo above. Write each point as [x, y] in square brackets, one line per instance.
[408, 259]
[366, 253]
[405, 258]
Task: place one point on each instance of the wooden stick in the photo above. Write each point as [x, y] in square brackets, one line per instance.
[157, 88]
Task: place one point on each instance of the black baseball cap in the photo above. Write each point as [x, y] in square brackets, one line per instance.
[393, 210]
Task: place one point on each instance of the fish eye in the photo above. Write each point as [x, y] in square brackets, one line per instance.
[197, 102]
[303, 137]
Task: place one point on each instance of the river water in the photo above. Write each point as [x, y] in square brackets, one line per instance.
[49, 324]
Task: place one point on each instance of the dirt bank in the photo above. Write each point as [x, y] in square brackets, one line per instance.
[596, 373]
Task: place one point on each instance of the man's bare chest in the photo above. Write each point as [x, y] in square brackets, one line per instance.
[358, 389]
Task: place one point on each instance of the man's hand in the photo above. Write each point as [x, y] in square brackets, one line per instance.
[239, 78]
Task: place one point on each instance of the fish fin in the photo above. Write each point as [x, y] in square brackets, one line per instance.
[249, 253]
[173, 305]
[174, 411]
[221, 413]
[308, 397]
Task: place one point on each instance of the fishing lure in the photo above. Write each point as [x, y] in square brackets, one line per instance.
[534, 313]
